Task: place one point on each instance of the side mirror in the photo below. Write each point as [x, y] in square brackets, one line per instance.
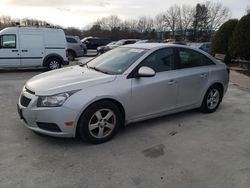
[145, 72]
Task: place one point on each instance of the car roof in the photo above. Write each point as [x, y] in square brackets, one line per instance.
[129, 39]
[149, 46]
[152, 45]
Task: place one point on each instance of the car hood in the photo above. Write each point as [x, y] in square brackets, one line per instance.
[66, 79]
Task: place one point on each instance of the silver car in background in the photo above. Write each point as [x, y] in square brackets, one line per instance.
[128, 84]
[75, 47]
[118, 43]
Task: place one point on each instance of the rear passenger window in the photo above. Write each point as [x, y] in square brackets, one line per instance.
[8, 41]
[161, 60]
[71, 40]
[190, 58]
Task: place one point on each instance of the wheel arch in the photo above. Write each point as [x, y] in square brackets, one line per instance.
[71, 50]
[217, 83]
[116, 102]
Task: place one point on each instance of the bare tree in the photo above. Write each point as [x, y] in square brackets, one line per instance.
[159, 22]
[248, 9]
[131, 24]
[114, 21]
[187, 15]
[172, 18]
[109, 23]
[145, 24]
[5, 21]
[217, 14]
[142, 24]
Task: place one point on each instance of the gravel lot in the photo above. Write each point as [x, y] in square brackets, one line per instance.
[185, 150]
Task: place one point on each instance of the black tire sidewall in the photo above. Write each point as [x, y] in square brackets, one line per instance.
[204, 108]
[83, 128]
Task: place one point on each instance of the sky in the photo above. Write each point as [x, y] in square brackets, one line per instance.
[81, 13]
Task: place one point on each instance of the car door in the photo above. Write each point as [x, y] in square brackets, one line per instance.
[31, 49]
[156, 94]
[9, 51]
[193, 76]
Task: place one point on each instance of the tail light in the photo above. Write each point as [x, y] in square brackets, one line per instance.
[228, 70]
[67, 53]
[83, 46]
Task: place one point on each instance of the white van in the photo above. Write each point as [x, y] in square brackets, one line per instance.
[32, 47]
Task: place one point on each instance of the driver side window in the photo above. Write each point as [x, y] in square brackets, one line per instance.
[161, 60]
[8, 41]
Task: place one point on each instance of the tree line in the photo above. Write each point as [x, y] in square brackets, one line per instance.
[233, 39]
[191, 23]
[184, 22]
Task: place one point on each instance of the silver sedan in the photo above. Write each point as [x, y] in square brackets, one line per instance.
[128, 84]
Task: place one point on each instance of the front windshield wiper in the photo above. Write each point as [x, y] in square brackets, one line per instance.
[98, 70]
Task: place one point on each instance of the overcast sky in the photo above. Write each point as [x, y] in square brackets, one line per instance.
[80, 13]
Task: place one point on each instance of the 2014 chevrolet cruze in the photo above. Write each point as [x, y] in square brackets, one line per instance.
[128, 84]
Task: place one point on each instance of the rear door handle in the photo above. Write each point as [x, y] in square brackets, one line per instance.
[204, 75]
[24, 50]
[171, 82]
[14, 50]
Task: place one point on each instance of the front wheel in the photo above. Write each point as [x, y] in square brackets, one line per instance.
[54, 63]
[212, 99]
[100, 122]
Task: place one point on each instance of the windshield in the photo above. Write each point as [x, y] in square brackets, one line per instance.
[116, 61]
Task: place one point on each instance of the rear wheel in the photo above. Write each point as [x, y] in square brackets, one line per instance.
[54, 63]
[71, 56]
[212, 99]
[100, 122]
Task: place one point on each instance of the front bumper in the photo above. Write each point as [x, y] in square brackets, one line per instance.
[32, 117]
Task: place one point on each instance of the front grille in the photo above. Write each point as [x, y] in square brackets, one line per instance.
[25, 101]
[48, 126]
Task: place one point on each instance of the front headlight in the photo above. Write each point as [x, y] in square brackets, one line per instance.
[54, 100]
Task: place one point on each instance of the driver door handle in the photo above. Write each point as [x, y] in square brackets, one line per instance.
[171, 82]
[204, 75]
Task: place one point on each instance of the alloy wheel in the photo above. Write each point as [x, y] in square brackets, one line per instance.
[54, 65]
[213, 99]
[102, 123]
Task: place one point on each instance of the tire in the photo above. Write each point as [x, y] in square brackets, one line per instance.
[54, 63]
[71, 56]
[100, 122]
[212, 99]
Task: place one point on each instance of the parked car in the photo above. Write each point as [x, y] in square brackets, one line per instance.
[128, 84]
[204, 46]
[94, 42]
[102, 49]
[75, 47]
[32, 47]
[149, 41]
[175, 41]
[117, 44]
